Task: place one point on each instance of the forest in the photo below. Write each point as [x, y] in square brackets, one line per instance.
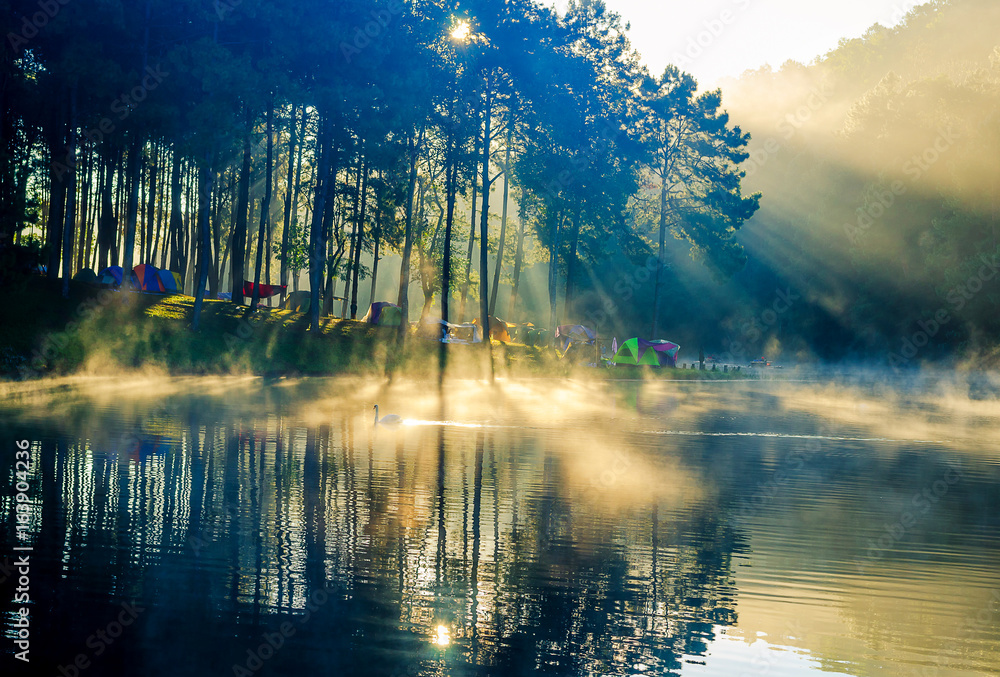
[505, 159]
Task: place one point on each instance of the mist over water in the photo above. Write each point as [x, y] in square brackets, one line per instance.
[775, 527]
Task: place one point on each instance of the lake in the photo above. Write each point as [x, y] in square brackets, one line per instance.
[237, 526]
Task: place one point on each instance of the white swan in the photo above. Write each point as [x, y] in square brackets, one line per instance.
[387, 421]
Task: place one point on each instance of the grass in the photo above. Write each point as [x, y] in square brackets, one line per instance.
[101, 332]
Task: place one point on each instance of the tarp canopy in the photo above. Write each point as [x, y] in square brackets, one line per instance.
[568, 334]
[171, 281]
[498, 329]
[653, 353]
[266, 290]
[111, 275]
[86, 275]
[384, 314]
[146, 278]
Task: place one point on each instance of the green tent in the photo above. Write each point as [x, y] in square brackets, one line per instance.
[297, 301]
[86, 275]
[629, 353]
[657, 353]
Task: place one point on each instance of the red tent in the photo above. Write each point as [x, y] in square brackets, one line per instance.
[266, 290]
[147, 278]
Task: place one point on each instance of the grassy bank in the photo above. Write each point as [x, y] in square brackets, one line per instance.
[101, 332]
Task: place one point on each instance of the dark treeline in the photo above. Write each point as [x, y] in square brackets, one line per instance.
[879, 166]
[265, 140]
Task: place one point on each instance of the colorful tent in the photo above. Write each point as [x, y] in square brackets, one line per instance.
[86, 275]
[146, 278]
[112, 275]
[266, 290]
[569, 334]
[499, 331]
[384, 314]
[653, 353]
[171, 281]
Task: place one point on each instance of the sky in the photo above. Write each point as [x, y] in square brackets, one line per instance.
[713, 39]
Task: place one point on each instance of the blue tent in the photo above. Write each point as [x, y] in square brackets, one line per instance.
[111, 275]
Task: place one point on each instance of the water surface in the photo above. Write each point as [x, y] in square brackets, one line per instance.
[723, 528]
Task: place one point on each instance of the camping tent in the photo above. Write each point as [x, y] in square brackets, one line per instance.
[384, 314]
[146, 278]
[569, 334]
[498, 329]
[652, 353]
[112, 276]
[297, 301]
[438, 330]
[171, 281]
[86, 275]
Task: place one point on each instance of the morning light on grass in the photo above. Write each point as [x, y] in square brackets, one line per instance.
[500, 338]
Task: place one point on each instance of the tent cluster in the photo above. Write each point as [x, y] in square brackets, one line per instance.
[143, 277]
[639, 351]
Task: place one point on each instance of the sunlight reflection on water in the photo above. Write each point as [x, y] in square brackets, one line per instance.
[577, 528]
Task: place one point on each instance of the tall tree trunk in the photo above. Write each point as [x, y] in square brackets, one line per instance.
[290, 196]
[131, 208]
[663, 237]
[317, 240]
[206, 175]
[451, 179]
[162, 237]
[106, 226]
[57, 204]
[83, 242]
[572, 264]
[503, 219]
[265, 208]
[354, 237]
[240, 226]
[361, 238]
[154, 167]
[376, 235]
[518, 257]
[67, 242]
[554, 219]
[414, 144]
[176, 220]
[472, 231]
[484, 223]
[214, 271]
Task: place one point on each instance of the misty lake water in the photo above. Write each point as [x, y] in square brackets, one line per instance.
[237, 526]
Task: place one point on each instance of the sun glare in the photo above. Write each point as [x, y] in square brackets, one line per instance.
[461, 31]
[443, 637]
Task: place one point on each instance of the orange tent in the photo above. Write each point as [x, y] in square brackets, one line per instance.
[498, 329]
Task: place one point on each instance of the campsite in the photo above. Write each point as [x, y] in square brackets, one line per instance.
[48, 336]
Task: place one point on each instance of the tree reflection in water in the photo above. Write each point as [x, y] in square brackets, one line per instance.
[434, 550]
